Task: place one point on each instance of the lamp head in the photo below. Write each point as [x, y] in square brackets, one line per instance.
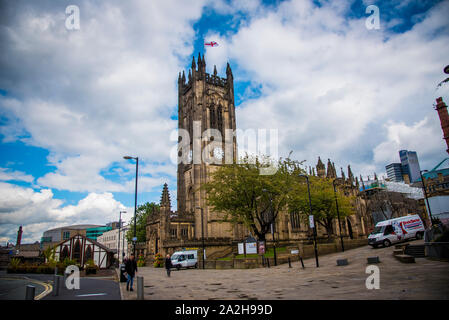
[446, 69]
[128, 157]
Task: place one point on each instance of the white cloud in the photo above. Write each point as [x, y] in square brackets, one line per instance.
[38, 211]
[93, 95]
[423, 136]
[7, 174]
[329, 84]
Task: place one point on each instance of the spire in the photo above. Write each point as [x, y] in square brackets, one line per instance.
[215, 70]
[320, 169]
[183, 79]
[310, 170]
[330, 170]
[342, 174]
[193, 63]
[228, 70]
[357, 183]
[165, 198]
[350, 175]
[200, 62]
[313, 171]
[190, 76]
[375, 176]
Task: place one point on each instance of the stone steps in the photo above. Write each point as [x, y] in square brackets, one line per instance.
[405, 258]
[417, 251]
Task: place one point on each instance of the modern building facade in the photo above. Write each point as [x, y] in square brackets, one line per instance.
[94, 233]
[394, 172]
[410, 165]
[116, 241]
[64, 233]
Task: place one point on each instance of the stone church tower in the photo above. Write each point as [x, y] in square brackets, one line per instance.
[204, 102]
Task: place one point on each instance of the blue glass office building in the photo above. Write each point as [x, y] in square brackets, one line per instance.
[410, 165]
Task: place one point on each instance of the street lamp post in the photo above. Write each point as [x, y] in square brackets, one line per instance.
[202, 235]
[425, 194]
[119, 228]
[135, 202]
[314, 225]
[338, 216]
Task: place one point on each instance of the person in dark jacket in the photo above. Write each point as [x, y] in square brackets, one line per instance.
[131, 270]
[168, 264]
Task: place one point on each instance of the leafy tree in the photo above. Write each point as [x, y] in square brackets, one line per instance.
[323, 202]
[245, 196]
[142, 214]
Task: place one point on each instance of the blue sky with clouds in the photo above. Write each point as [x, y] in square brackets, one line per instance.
[74, 102]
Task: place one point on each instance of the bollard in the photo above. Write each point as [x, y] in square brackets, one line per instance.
[56, 286]
[302, 263]
[342, 262]
[263, 261]
[373, 260]
[289, 263]
[268, 262]
[139, 288]
[30, 291]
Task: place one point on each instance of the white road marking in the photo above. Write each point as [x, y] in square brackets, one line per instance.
[91, 294]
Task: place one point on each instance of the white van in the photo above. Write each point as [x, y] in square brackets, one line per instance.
[185, 259]
[394, 230]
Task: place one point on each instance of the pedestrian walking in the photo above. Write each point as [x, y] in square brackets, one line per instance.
[131, 270]
[168, 264]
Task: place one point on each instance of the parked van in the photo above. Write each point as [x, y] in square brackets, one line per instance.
[185, 259]
[395, 230]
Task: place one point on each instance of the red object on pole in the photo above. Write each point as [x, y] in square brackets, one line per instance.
[441, 107]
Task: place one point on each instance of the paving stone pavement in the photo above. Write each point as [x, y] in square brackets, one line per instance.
[425, 279]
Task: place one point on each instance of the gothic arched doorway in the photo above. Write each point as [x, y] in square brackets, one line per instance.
[350, 228]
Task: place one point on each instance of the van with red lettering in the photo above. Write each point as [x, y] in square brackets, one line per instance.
[395, 230]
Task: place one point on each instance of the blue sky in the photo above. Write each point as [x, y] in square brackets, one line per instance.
[74, 102]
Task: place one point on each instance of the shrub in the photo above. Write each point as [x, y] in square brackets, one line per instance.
[158, 262]
[444, 237]
[141, 261]
[91, 267]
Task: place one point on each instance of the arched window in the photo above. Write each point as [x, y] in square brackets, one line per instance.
[64, 253]
[212, 117]
[220, 119]
[88, 254]
[77, 251]
[294, 220]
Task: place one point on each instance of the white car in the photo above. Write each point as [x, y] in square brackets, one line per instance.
[185, 259]
[395, 230]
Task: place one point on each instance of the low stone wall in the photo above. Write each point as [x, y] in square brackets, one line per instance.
[306, 251]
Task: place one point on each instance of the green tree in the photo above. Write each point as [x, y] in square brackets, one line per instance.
[245, 196]
[324, 208]
[142, 214]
